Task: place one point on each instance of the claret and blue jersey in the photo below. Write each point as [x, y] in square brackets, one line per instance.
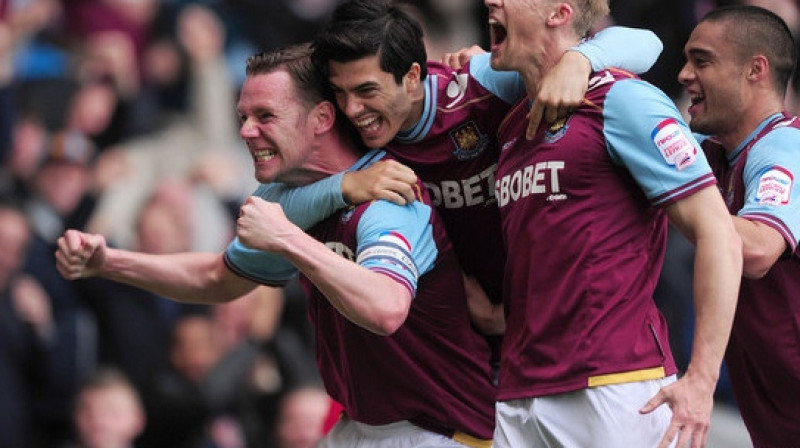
[582, 214]
[758, 183]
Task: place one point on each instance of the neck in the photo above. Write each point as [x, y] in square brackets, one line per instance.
[333, 154]
[748, 123]
[549, 54]
[417, 106]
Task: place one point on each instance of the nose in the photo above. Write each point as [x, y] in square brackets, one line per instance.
[491, 3]
[686, 75]
[351, 105]
[247, 129]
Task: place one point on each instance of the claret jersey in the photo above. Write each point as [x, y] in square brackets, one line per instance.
[434, 371]
[758, 180]
[454, 150]
[582, 215]
[453, 146]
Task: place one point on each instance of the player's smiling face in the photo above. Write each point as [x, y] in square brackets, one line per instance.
[274, 125]
[714, 80]
[378, 106]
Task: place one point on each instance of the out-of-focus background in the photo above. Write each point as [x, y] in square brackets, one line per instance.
[117, 117]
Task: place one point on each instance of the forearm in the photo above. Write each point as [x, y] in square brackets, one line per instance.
[307, 205]
[761, 246]
[184, 277]
[718, 265]
[369, 299]
[633, 49]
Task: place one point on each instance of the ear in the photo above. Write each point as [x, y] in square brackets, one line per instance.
[560, 15]
[412, 77]
[324, 114]
[757, 68]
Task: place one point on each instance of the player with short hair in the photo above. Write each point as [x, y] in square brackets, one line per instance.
[441, 122]
[394, 343]
[739, 61]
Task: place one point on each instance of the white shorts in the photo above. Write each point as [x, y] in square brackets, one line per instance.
[598, 417]
[348, 434]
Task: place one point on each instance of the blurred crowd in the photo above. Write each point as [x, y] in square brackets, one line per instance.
[117, 117]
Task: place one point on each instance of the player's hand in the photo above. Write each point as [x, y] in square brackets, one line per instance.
[691, 399]
[262, 225]
[487, 316]
[80, 254]
[460, 58]
[386, 179]
[561, 91]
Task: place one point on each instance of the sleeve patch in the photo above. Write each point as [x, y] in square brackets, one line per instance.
[388, 254]
[774, 186]
[674, 145]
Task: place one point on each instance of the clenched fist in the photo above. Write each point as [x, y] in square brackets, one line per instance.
[262, 225]
[80, 254]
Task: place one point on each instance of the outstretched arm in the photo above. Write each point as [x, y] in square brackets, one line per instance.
[704, 219]
[185, 277]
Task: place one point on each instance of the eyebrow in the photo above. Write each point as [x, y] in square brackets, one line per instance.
[363, 85]
[699, 52]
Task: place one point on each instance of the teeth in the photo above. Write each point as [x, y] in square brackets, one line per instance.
[263, 155]
[367, 123]
[493, 22]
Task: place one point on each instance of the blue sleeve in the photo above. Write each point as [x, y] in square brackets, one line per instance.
[397, 241]
[770, 194]
[304, 206]
[259, 266]
[506, 85]
[646, 134]
[632, 49]
[307, 205]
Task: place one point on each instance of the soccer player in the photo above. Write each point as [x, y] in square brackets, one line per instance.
[584, 208]
[441, 122]
[394, 343]
[739, 61]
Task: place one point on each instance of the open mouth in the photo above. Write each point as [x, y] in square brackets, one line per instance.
[263, 155]
[368, 125]
[497, 33]
[695, 100]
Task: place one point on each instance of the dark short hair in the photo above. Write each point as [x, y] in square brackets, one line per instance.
[755, 30]
[363, 28]
[311, 86]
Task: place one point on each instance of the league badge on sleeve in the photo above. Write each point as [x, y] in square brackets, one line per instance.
[774, 186]
[675, 146]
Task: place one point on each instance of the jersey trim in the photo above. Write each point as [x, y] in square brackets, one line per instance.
[627, 377]
[244, 274]
[685, 190]
[471, 441]
[776, 224]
